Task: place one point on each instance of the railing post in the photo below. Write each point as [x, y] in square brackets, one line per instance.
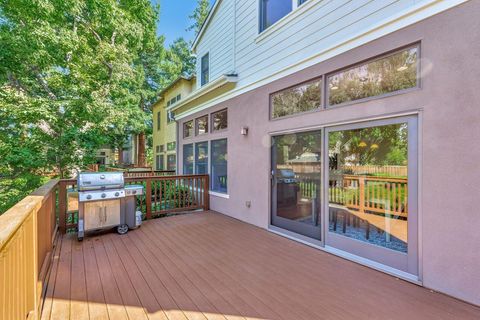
[206, 193]
[62, 207]
[361, 198]
[148, 198]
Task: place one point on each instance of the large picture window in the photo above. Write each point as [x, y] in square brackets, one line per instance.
[298, 99]
[219, 165]
[391, 73]
[188, 159]
[201, 158]
[220, 120]
[273, 10]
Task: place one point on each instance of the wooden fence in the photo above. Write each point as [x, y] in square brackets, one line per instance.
[27, 234]
[163, 195]
[391, 171]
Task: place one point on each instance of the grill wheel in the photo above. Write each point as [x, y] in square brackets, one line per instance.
[122, 229]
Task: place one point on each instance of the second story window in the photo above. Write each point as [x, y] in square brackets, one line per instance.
[158, 121]
[273, 10]
[205, 69]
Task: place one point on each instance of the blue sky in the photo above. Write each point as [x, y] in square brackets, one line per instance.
[174, 18]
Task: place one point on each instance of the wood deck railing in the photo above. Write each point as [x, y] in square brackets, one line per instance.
[162, 195]
[371, 194]
[27, 233]
[363, 193]
[142, 172]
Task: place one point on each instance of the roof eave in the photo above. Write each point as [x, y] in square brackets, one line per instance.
[220, 81]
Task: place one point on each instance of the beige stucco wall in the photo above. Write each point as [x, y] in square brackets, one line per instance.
[448, 107]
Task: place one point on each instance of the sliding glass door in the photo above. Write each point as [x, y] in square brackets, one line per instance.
[371, 193]
[296, 174]
[367, 185]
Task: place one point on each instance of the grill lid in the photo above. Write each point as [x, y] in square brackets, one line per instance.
[100, 180]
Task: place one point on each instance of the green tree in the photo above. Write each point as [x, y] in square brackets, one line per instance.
[199, 15]
[68, 73]
[181, 58]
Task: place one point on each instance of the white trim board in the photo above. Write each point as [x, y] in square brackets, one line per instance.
[420, 11]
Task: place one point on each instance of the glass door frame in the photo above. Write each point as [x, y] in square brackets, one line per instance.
[315, 233]
[406, 262]
[412, 264]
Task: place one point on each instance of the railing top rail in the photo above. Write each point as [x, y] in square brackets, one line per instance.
[133, 179]
[13, 219]
[370, 178]
[156, 178]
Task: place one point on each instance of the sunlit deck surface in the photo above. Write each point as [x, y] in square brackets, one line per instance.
[209, 266]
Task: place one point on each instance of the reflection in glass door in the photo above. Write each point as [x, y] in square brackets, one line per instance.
[296, 179]
[371, 191]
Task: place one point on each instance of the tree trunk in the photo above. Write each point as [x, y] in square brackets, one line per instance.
[141, 150]
[120, 156]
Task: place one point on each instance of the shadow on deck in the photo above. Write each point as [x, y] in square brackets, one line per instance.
[209, 266]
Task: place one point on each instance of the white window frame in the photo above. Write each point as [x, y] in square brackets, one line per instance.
[201, 69]
[295, 5]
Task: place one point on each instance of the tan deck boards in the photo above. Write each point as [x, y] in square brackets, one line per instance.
[206, 266]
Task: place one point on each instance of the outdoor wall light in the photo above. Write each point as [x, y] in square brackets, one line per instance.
[244, 131]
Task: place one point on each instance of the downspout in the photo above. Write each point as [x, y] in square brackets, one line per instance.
[235, 36]
[177, 147]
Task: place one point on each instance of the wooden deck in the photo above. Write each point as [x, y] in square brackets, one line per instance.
[209, 266]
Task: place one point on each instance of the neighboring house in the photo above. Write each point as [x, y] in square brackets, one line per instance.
[164, 125]
[350, 126]
[110, 156]
[129, 151]
[105, 156]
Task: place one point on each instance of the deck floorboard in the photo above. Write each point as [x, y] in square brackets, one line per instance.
[207, 266]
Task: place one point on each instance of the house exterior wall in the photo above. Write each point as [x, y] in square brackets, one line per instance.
[314, 32]
[167, 133]
[218, 41]
[106, 155]
[447, 106]
[309, 29]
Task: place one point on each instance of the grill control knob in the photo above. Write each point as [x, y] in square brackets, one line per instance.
[134, 191]
[117, 194]
[104, 195]
[89, 197]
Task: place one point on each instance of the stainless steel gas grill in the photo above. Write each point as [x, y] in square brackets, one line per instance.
[101, 202]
